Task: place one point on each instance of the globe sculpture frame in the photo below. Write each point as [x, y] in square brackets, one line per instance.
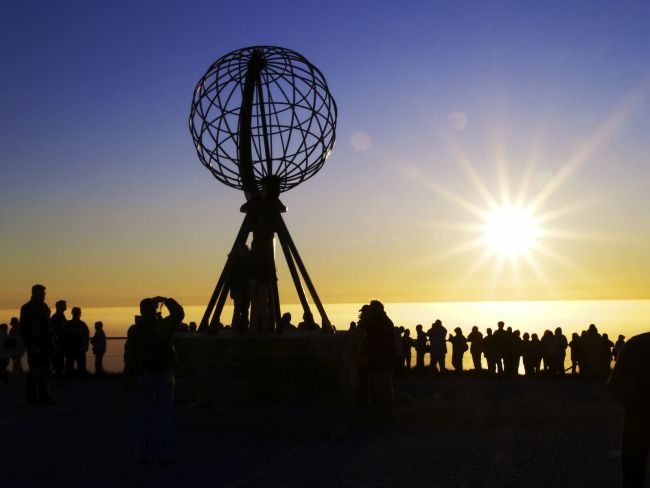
[263, 121]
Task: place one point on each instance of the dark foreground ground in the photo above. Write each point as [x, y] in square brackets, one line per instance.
[454, 432]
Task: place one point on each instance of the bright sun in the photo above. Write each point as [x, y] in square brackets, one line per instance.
[510, 231]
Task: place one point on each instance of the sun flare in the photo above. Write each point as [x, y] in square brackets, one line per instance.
[510, 231]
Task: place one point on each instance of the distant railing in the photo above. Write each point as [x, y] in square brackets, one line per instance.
[114, 357]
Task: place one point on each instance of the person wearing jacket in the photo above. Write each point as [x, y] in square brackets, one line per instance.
[17, 349]
[630, 383]
[99, 349]
[36, 331]
[153, 360]
[5, 353]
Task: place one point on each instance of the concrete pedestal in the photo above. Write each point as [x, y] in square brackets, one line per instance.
[251, 368]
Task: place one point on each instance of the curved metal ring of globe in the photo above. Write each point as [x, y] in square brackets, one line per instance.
[293, 117]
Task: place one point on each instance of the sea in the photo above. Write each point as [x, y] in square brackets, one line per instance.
[614, 317]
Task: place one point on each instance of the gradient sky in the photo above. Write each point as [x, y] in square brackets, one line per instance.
[440, 104]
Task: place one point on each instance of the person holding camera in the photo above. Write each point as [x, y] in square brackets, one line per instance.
[153, 360]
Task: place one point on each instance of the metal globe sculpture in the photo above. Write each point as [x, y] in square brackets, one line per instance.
[291, 112]
[263, 121]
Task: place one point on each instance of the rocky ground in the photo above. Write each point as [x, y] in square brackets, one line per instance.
[450, 432]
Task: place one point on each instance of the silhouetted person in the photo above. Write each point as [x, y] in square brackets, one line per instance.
[352, 326]
[550, 352]
[576, 353]
[239, 263]
[5, 353]
[17, 350]
[261, 278]
[476, 339]
[500, 345]
[99, 349]
[630, 382]
[510, 353]
[618, 347]
[37, 334]
[381, 358]
[407, 344]
[606, 356]
[562, 345]
[458, 348]
[130, 372]
[308, 324]
[399, 349]
[360, 357]
[518, 352]
[59, 331]
[153, 361]
[214, 328]
[78, 339]
[528, 355]
[285, 325]
[592, 346]
[420, 347]
[193, 327]
[537, 353]
[438, 346]
[489, 351]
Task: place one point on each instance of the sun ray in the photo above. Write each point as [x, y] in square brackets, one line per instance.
[512, 214]
[453, 197]
[469, 227]
[531, 164]
[476, 266]
[575, 235]
[504, 183]
[460, 248]
[538, 271]
[565, 262]
[463, 161]
[575, 207]
[496, 273]
[600, 136]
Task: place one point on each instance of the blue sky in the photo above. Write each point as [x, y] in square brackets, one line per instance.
[96, 156]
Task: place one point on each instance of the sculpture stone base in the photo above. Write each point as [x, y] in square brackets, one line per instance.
[248, 369]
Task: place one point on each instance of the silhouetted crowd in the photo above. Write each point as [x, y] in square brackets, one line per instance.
[53, 343]
[379, 351]
[503, 351]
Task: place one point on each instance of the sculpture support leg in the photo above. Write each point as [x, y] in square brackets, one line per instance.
[221, 290]
[297, 270]
[294, 273]
[275, 305]
[282, 229]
